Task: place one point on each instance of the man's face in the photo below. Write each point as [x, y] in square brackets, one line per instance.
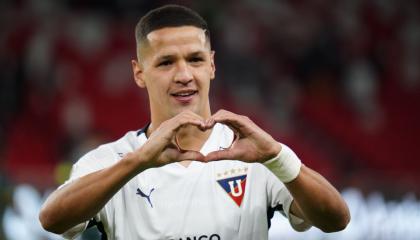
[176, 66]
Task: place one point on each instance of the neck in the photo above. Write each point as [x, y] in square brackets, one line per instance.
[189, 137]
[192, 138]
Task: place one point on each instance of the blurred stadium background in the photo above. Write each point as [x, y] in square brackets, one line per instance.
[339, 81]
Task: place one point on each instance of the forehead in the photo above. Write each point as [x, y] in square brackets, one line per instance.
[176, 38]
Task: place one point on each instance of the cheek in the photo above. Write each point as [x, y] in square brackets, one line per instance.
[206, 79]
[204, 75]
[157, 84]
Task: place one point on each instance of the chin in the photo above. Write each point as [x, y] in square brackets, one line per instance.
[180, 109]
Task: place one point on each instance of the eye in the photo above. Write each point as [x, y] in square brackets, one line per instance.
[196, 59]
[164, 63]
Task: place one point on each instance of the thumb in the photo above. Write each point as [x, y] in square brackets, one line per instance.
[219, 155]
[190, 155]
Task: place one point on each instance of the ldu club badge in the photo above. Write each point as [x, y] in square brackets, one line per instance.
[234, 187]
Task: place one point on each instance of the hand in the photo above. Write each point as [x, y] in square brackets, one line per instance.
[160, 148]
[252, 143]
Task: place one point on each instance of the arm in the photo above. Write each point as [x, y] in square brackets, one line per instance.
[315, 200]
[81, 199]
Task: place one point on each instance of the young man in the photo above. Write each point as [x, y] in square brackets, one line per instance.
[189, 174]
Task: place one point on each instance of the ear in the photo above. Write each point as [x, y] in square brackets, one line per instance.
[138, 73]
[212, 65]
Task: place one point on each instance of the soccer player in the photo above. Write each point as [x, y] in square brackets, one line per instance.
[189, 174]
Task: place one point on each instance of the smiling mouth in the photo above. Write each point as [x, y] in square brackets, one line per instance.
[184, 94]
[184, 97]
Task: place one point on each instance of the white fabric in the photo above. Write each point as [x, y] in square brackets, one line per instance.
[186, 203]
[286, 165]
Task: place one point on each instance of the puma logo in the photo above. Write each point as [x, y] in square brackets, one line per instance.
[139, 192]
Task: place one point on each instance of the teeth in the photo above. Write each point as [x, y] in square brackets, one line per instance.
[184, 94]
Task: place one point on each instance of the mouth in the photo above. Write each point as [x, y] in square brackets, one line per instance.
[184, 96]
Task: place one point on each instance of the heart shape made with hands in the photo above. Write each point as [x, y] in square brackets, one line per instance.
[210, 126]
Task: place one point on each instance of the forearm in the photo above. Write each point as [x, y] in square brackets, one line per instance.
[318, 201]
[315, 199]
[80, 200]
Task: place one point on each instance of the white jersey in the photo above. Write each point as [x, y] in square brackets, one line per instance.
[221, 200]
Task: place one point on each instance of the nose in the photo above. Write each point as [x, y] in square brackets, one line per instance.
[183, 73]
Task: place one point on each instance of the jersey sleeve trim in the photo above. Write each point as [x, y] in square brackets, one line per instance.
[100, 226]
[75, 231]
[297, 223]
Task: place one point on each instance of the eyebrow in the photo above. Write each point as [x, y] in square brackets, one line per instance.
[165, 57]
[172, 56]
[196, 53]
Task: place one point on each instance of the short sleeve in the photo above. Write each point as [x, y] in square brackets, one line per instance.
[280, 198]
[89, 163]
[93, 161]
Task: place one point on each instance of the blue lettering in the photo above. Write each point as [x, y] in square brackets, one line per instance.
[214, 237]
[202, 237]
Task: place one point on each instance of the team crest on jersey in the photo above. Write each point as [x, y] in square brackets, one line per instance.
[234, 185]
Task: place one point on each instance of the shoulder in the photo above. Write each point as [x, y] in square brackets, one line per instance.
[128, 143]
[109, 153]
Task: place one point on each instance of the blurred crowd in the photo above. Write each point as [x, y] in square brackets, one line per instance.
[339, 81]
[373, 218]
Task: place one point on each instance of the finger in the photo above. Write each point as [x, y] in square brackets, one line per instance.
[220, 155]
[169, 128]
[236, 122]
[188, 119]
[234, 140]
[202, 125]
[190, 156]
[209, 123]
[189, 114]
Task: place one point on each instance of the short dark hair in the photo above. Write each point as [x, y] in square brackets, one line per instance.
[169, 16]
